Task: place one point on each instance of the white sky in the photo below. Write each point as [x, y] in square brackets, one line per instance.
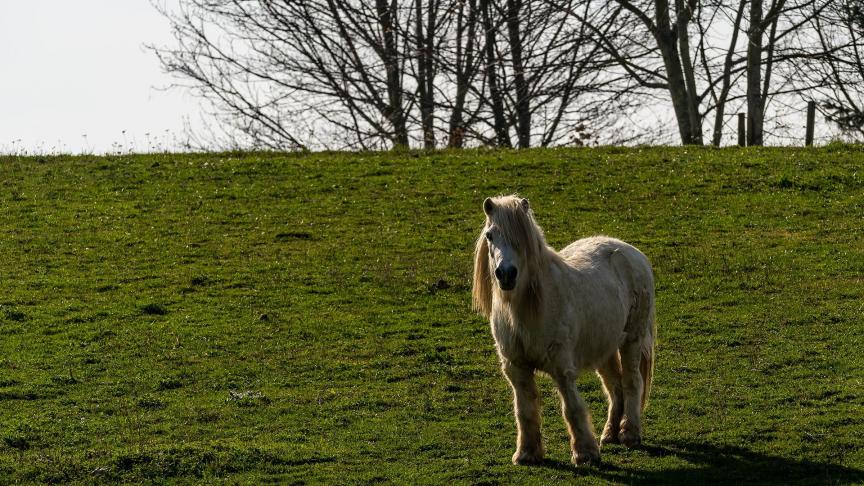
[74, 68]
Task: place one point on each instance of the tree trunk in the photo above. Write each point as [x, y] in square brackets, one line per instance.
[463, 48]
[754, 75]
[769, 60]
[395, 111]
[465, 69]
[683, 13]
[523, 111]
[678, 92]
[681, 100]
[425, 73]
[502, 138]
[727, 74]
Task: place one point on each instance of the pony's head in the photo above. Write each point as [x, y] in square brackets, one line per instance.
[508, 252]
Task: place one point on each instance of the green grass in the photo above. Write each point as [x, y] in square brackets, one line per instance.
[306, 318]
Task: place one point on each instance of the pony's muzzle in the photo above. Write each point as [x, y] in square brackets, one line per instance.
[506, 275]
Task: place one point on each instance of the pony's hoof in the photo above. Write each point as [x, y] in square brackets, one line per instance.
[527, 458]
[609, 438]
[586, 458]
[629, 439]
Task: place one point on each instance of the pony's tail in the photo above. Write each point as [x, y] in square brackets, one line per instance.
[646, 364]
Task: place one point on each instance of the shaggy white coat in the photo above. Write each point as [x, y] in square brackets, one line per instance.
[589, 306]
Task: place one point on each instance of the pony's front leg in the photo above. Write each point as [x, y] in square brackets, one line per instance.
[582, 441]
[526, 405]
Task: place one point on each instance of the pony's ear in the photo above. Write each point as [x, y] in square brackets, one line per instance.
[488, 206]
[524, 204]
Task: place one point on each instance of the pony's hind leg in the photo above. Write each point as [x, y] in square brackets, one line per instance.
[575, 412]
[610, 374]
[630, 433]
[526, 405]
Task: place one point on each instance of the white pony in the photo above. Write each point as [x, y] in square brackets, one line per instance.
[589, 306]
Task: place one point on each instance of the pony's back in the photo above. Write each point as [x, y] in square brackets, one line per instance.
[594, 255]
[597, 250]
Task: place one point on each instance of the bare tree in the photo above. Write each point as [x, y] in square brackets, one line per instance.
[761, 59]
[708, 54]
[551, 83]
[502, 138]
[671, 42]
[275, 66]
[464, 66]
[838, 78]
[400, 73]
[425, 22]
[522, 103]
[720, 98]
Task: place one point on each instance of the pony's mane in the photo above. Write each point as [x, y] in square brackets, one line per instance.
[515, 220]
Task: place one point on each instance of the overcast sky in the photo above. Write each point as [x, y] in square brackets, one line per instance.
[75, 68]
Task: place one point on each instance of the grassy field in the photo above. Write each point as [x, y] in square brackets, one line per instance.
[306, 318]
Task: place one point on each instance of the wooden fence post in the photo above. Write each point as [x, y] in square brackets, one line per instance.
[742, 130]
[811, 120]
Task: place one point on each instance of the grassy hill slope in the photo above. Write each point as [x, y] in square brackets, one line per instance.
[306, 318]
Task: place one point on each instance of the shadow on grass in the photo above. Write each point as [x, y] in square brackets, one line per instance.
[711, 464]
